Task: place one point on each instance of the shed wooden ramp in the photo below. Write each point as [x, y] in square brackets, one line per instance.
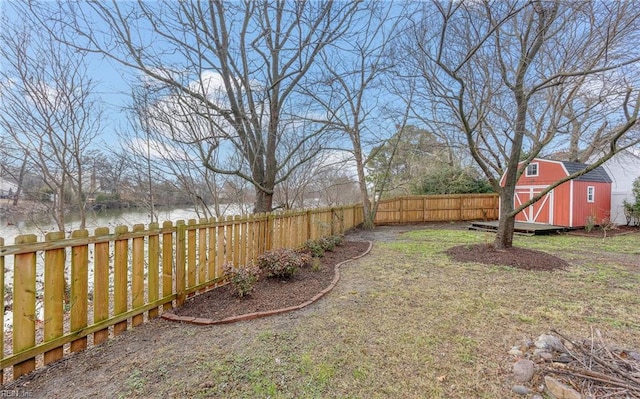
[520, 228]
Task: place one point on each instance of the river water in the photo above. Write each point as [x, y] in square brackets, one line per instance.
[43, 224]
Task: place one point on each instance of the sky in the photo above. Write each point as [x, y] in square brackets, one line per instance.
[112, 86]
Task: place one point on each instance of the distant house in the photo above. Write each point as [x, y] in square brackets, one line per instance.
[7, 188]
[623, 169]
[575, 203]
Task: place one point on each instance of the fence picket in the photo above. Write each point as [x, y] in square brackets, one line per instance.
[211, 254]
[220, 260]
[167, 262]
[191, 254]
[101, 285]
[181, 262]
[202, 252]
[54, 282]
[79, 288]
[153, 279]
[24, 305]
[137, 275]
[120, 278]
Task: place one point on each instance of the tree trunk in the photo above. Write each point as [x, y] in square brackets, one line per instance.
[264, 202]
[367, 210]
[18, 192]
[506, 223]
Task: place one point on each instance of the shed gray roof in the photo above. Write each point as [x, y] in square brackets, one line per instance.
[599, 174]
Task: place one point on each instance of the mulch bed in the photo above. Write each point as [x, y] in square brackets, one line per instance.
[521, 258]
[271, 293]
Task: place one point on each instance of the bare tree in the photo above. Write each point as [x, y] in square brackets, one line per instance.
[159, 144]
[349, 91]
[255, 52]
[327, 180]
[12, 164]
[509, 76]
[49, 113]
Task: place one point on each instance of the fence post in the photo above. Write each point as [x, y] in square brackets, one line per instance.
[181, 231]
[24, 305]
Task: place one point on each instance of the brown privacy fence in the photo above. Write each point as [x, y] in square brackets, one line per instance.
[62, 294]
[437, 208]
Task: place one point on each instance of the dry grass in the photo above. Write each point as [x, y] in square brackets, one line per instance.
[404, 321]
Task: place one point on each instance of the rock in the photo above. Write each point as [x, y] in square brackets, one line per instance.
[536, 396]
[550, 342]
[521, 390]
[563, 358]
[515, 351]
[523, 370]
[559, 390]
[544, 355]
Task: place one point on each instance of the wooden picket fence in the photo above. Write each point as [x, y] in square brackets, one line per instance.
[68, 293]
[437, 208]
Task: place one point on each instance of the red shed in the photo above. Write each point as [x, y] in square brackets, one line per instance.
[572, 203]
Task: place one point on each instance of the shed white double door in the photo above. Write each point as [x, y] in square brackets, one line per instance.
[538, 212]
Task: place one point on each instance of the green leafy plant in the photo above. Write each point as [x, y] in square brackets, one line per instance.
[316, 265]
[632, 209]
[314, 248]
[242, 279]
[282, 263]
[589, 223]
[327, 243]
[338, 239]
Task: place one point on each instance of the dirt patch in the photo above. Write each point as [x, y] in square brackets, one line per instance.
[521, 258]
[272, 293]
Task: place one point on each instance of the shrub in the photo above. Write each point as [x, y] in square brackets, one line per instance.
[314, 248]
[282, 263]
[338, 239]
[590, 223]
[316, 265]
[327, 243]
[243, 278]
[331, 242]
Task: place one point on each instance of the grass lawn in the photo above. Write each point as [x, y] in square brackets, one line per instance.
[404, 322]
